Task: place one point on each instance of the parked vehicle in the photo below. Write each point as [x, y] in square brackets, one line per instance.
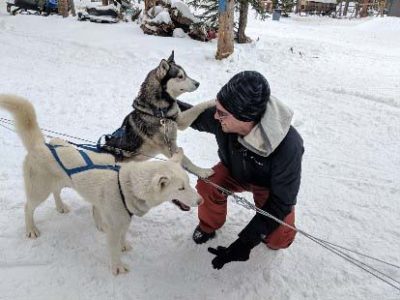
[32, 6]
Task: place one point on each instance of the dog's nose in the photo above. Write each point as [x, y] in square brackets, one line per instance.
[197, 84]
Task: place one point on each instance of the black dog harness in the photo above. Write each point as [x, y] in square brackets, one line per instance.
[89, 165]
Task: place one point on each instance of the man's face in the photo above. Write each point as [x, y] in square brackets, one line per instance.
[229, 123]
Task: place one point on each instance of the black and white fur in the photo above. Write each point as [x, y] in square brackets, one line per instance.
[151, 128]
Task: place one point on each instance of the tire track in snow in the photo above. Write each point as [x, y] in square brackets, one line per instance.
[387, 101]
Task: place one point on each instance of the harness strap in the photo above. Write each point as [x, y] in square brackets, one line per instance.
[53, 151]
[89, 166]
[89, 147]
[89, 163]
[123, 198]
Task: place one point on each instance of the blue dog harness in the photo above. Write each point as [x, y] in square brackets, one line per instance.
[89, 165]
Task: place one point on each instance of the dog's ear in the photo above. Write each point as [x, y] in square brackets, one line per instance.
[171, 58]
[162, 69]
[178, 156]
[161, 181]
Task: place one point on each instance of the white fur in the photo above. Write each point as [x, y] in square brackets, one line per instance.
[181, 84]
[144, 184]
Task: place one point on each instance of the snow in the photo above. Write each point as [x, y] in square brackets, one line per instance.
[342, 80]
[184, 10]
[162, 17]
[154, 11]
[179, 33]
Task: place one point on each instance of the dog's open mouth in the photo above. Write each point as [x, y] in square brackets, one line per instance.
[182, 206]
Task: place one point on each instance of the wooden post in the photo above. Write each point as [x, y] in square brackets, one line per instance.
[63, 8]
[364, 8]
[225, 44]
[382, 5]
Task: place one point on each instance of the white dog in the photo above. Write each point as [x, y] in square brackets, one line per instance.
[116, 192]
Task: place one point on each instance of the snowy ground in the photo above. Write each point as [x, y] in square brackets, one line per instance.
[343, 81]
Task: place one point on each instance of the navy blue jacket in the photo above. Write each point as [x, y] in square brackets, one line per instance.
[280, 172]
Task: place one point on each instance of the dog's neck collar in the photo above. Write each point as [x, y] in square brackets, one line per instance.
[157, 112]
[123, 197]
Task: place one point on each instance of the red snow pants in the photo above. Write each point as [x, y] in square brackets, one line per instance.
[212, 213]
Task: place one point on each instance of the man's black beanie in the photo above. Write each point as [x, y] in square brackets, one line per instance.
[245, 96]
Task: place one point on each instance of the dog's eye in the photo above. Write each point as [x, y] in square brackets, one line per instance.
[182, 188]
[180, 76]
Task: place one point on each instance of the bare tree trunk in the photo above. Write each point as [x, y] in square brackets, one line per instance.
[364, 8]
[382, 5]
[346, 7]
[243, 12]
[340, 9]
[225, 44]
[149, 4]
[104, 2]
[63, 8]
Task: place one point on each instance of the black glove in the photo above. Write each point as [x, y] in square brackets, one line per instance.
[237, 251]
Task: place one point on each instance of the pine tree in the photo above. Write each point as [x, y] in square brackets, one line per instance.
[210, 13]
[285, 5]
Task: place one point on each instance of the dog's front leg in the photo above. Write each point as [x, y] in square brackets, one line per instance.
[200, 172]
[125, 246]
[187, 163]
[188, 116]
[114, 245]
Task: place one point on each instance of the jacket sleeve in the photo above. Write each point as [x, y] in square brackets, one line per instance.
[205, 122]
[284, 187]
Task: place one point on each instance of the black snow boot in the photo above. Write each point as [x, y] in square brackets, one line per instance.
[200, 237]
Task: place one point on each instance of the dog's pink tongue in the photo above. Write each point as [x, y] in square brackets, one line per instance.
[182, 206]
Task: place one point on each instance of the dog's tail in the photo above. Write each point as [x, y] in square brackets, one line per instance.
[25, 120]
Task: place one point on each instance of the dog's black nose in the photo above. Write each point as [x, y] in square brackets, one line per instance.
[197, 84]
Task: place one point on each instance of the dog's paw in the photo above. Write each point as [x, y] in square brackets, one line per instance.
[32, 233]
[119, 269]
[204, 173]
[100, 227]
[63, 209]
[209, 103]
[126, 247]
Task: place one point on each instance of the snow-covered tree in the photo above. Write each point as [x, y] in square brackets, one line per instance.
[210, 14]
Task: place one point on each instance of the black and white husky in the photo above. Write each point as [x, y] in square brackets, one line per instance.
[151, 128]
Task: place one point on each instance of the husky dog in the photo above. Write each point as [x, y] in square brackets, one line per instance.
[151, 128]
[116, 192]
